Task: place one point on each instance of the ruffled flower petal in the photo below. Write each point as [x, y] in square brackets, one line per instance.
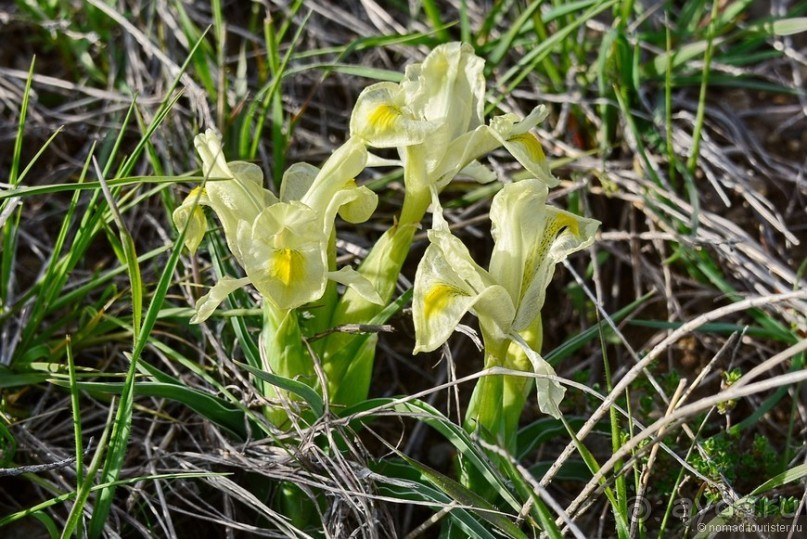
[550, 392]
[284, 254]
[210, 301]
[358, 282]
[448, 284]
[190, 217]
[382, 119]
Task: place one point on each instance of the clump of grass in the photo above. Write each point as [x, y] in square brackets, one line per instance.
[117, 417]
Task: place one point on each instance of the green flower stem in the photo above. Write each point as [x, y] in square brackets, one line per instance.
[350, 357]
[497, 401]
[295, 504]
[418, 188]
[341, 350]
[283, 354]
[350, 383]
[321, 311]
[517, 388]
[484, 413]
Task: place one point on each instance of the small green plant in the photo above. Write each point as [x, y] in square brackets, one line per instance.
[729, 379]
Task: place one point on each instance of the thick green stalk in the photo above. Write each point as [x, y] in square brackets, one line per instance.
[484, 415]
[355, 370]
[322, 309]
[418, 187]
[517, 388]
[283, 354]
[341, 350]
[343, 353]
[298, 507]
[496, 407]
[497, 401]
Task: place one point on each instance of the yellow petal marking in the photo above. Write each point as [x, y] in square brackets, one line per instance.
[437, 298]
[531, 145]
[552, 230]
[564, 220]
[286, 265]
[384, 117]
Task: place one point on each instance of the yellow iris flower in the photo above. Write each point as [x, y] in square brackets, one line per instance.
[439, 107]
[281, 243]
[530, 238]
[234, 190]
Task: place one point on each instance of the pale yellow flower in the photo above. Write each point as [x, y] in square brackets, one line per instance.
[190, 217]
[281, 243]
[439, 108]
[233, 189]
[530, 238]
[285, 256]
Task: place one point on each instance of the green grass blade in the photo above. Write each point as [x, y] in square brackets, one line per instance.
[467, 498]
[621, 517]
[109, 158]
[56, 274]
[37, 155]
[213, 408]
[700, 114]
[165, 107]
[729, 513]
[781, 27]
[568, 348]
[515, 75]
[772, 333]
[619, 499]
[201, 67]
[401, 481]
[433, 12]
[541, 431]
[452, 432]
[220, 34]
[120, 435]
[768, 404]
[85, 486]
[9, 380]
[303, 391]
[47, 522]
[8, 445]
[75, 405]
[66, 497]
[273, 99]
[129, 257]
[10, 227]
[539, 510]
[794, 474]
[13, 174]
[31, 191]
[506, 42]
